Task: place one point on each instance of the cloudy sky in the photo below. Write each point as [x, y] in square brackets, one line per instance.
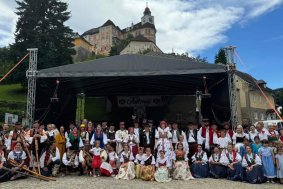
[199, 27]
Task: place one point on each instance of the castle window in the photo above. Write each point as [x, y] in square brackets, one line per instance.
[255, 116]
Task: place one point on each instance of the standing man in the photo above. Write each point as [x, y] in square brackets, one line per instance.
[191, 135]
[204, 137]
[229, 132]
[120, 136]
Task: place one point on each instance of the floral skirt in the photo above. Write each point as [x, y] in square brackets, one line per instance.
[126, 171]
[162, 175]
[182, 171]
[147, 172]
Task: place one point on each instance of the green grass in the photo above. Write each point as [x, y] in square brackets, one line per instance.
[13, 92]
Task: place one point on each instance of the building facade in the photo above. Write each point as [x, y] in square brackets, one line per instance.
[83, 49]
[252, 105]
[105, 36]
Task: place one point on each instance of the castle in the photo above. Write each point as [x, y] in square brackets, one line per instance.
[105, 36]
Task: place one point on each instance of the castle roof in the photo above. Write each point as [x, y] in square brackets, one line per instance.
[108, 23]
[141, 38]
[147, 11]
[140, 26]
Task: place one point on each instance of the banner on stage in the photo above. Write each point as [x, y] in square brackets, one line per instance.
[148, 101]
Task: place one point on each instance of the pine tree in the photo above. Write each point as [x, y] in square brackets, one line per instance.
[220, 57]
[41, 25]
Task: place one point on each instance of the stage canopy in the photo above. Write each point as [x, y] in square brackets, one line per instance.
[132, 74]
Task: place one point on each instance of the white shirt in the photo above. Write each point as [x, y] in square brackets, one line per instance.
[166, 143]
[263, 135]
[198, 154]
[11, 155]
[137, 133]
[95, 151]
[175, 135]
[121, 135]
[253, 135]
[68, 162]
[138, 158]
[251, 156]
[191, 136]
[129, 155]
[131, 139]
[162, 161]
[145, 158]
[68, 143]
[216, 158]
[112, 156]
[53, 158]
[225, 160]
[166, 130]
[223, 142]
[147, 137]
[201, 139]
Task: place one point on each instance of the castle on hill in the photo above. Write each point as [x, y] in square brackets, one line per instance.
[104, 37]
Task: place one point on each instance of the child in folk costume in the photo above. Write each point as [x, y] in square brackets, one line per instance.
[233, 162]
[70, 160]
[279, 164]
[148, 165]
[96, 161]
[112, 158]
[85, 159]
[132, 140]
[83, 133]
[162, 168]
[253, 167]
[127, 168]
[138, 161]
[256, 145]
[50, 161]
[199, 165]
[223, 141]
[19, 155]
[268, 161]
[181, 165]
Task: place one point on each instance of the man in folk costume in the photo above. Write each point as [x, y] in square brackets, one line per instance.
[71, 127]
[205, 136]
[50, 161]
[120, 135]
[191, 135]
[152, 128]
[132, 140]
[83, 133]
[176, 132]
[217, 168]
[70, 160]
[215, 134]
[99, 135]
[147, 138]
[90, 129]
[85, 159]
[104, 126]
[74, 141]
[137, 129]
[229, 132]
[111, 136]
[14, 136]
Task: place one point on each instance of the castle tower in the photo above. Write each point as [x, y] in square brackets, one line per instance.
[147, 18]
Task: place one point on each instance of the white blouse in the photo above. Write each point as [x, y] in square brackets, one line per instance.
[95, 151]
[250, 157]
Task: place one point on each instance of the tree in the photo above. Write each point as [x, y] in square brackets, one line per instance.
[41, 25]
[120, 45]
[220, 57]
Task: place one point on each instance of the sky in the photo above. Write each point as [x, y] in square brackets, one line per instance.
[199, 27]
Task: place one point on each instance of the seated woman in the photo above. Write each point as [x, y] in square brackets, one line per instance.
[19, 156]
[181, 165]
[232, 160]
[127, 168]
[217, 169]
[253, 167]
[138, 161]
[200, 167]
[162, 165]
[148, 165]
[4, 175]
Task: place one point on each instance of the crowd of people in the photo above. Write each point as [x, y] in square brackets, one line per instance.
[252, 154]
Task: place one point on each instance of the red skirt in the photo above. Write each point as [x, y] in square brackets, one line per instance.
[113, 164]
[96, 162]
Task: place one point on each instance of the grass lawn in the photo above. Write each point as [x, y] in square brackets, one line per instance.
[13, 92]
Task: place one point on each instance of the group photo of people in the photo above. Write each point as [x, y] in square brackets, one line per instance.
[149, 150]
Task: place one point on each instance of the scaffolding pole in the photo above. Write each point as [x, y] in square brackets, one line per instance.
[31, 77]
[231, 69]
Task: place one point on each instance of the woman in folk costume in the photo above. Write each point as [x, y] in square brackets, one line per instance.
[253, 172]
[181, 165]
[99, 135]
[279, 164]
[238, 139]
[50, 161]
[233, 162]
[217, 169]
[19, 155]
[223, 141]
[268, 160]
[148, 165]
[61, 141]
[83, 133]
[273, 133]
[96, 161]
[4, 175]
[252, 133]
[200, 168]
[85, 159]
[132, 140]
[163, 129]
[120, 135]
[127, 168]
[162, 168]
[138, 161]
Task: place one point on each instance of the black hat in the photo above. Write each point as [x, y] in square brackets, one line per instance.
[150, 121]
[205, 120]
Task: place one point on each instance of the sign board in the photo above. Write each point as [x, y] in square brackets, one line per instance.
[135, 101]
[11, 118]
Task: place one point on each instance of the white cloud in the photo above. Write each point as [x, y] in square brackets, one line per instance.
[183, 25]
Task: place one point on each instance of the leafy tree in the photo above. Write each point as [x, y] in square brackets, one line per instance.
[120, 45]
[220, 57]
[200, 59]
[41, 25]
[6, 62]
